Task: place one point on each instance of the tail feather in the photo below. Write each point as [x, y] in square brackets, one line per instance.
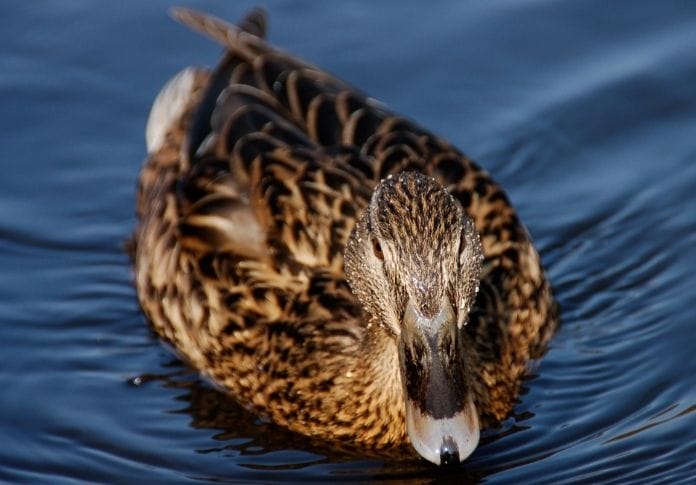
[244, 40]
[255, 22]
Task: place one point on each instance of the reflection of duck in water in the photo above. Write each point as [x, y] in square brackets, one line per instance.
[272, 190]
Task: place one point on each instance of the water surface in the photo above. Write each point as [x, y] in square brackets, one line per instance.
[584, 111]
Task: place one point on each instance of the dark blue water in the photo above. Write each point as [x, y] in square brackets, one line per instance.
[584, 111]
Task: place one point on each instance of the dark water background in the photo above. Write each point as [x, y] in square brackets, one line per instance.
[584, 111]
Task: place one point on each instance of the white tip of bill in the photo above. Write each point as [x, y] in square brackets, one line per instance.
[443, 441]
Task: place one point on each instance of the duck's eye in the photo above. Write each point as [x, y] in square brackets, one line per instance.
[377, 249]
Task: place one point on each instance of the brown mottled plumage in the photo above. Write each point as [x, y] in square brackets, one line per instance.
[256, 176]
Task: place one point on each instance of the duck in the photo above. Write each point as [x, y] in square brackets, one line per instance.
[332, 266]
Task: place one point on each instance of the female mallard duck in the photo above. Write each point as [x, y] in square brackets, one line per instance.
[336, 268]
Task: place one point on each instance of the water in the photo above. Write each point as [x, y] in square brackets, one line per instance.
[584, 111]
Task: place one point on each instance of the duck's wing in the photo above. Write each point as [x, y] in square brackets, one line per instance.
[276, 139]
[322, 109]
[257, 181]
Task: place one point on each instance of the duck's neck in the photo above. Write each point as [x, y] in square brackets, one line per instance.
[378, 395]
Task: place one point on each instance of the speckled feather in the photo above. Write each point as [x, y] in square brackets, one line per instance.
[246, 203]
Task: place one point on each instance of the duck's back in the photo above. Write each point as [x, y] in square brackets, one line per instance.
[257, 172]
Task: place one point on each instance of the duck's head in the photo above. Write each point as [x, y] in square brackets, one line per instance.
[414, 262]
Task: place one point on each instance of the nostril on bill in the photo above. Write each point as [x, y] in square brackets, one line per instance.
[449, 453]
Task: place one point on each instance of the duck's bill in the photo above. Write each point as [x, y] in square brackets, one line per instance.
[441, 417]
